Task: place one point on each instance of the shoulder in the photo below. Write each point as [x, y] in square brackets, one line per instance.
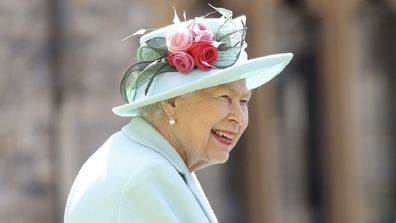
[122, 152]
[122, 158]
[119, 172]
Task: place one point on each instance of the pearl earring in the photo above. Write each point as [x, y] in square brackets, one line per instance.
[172, 121]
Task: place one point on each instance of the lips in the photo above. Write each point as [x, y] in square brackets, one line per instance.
[224, 137]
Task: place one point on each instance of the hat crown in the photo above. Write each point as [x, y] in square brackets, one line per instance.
[200, 44]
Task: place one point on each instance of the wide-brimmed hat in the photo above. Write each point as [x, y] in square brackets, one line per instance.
[193, 55]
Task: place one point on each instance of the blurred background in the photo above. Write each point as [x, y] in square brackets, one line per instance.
[321, 143]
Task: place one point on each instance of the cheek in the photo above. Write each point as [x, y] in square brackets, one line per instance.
[246, 117]
[245, 123]
[214, 111]
[222, 109]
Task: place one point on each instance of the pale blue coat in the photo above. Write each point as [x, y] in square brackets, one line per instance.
[137, 177]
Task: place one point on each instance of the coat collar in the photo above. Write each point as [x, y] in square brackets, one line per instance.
[145, 134]
[142, 132]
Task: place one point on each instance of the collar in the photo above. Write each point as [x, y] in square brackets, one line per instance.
[142, 132]
[145, 134]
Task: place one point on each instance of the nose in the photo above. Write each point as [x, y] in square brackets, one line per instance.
[238, 114]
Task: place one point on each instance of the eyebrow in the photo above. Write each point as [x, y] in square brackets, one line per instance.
[247, 93]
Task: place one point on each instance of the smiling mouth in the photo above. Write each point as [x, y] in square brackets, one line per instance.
[224, 137]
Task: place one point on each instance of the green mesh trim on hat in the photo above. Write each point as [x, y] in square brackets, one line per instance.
[152, 58]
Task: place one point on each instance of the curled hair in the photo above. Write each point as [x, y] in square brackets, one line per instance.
[154, 111]
[151, 111]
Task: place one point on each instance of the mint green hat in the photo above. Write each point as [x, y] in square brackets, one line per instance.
[193, 55]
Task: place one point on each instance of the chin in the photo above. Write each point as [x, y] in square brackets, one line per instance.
[220, 158]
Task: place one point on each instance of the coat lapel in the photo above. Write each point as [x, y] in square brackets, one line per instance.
[143, 133]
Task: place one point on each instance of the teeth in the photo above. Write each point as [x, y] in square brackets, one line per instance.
[225, 135]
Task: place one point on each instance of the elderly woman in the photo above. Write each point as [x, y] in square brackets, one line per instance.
[188, 95]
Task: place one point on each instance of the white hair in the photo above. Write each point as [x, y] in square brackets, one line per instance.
[151, 111]
[154, 111]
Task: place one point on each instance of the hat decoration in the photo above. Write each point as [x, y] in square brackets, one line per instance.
[187, 46]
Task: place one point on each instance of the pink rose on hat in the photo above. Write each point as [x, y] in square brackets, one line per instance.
[170, 58]
[201, 32]
[190, 47]
[179, 39]
[205, 55]
[183, 62]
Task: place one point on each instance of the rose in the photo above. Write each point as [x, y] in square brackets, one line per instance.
[183, 62]
[201, 32]
[170, 58]
[205, 55]
[178, 39]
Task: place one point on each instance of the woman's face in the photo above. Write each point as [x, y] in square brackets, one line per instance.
[209, 123]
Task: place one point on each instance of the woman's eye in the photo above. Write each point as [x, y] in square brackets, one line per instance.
[244, 103]
[225, 98]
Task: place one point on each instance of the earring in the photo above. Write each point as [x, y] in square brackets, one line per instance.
[172, 121]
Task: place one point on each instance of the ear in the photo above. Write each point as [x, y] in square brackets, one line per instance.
[169, 106]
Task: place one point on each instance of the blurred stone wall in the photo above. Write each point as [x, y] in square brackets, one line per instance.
[26, 183]
[61, 62]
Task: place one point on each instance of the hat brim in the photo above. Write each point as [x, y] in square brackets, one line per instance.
[257, 72]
